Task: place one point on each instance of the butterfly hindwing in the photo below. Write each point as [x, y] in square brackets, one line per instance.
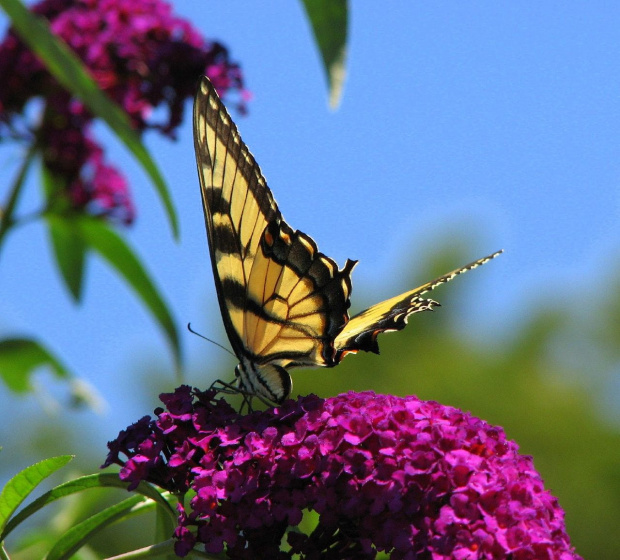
[361, 332]
[305, 300]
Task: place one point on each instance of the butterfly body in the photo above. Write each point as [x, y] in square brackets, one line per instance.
[284, 303]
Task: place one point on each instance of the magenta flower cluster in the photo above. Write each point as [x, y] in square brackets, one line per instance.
[415, 479]
[141, 55]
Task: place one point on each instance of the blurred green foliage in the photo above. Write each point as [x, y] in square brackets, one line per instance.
[543, 377]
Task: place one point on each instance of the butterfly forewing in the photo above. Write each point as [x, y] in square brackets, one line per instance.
[233, 206]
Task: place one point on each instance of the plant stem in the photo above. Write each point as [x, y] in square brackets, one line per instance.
[6, 212]
[164, 548]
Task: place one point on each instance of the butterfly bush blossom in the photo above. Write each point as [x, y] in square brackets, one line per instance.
[379, 473]
[141, 55]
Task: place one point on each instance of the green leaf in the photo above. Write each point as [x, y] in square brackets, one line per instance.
[164, 526]
[102, 239]
[19, 357]
[22, 484]
[68, 245]
[7, 221]
[329, 21]
[67, 68]
[70, 252]
[100, 480]
[80, 533]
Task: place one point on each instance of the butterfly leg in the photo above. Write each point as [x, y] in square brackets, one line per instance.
[233, 389]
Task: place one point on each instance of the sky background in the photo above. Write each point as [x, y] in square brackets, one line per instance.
[491, 125]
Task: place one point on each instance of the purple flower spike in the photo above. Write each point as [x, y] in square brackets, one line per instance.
[411, 478]
[141, 55]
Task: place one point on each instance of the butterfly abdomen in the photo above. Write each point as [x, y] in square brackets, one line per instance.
[268, 381]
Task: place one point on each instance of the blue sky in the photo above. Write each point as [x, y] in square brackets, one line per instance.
[494, 124]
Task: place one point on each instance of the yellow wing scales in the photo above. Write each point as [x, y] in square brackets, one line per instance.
[284, 303]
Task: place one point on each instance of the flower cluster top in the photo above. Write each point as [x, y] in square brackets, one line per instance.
[379, 473]
[140, 54]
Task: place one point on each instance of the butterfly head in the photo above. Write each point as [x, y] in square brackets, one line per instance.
[269, 382]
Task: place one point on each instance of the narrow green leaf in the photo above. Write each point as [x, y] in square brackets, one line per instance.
[67, 244]
[19, 357]
[70, 252]
[164, 525]
[22, 484]
[329, 22]
[67, 68]
[7, 208]
[100, 480]
[80, 533]
[113, 249]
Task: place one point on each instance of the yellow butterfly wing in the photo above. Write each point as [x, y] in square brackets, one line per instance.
[282, 301]
[361, 331]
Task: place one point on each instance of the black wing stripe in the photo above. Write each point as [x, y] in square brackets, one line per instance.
[224, 240]
[235, 293]
[217, 203]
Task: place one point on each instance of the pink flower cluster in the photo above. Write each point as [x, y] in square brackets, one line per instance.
[102, 190]
[415, 479]
[140, 54]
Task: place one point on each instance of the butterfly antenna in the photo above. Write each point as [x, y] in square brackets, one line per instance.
[189, 328]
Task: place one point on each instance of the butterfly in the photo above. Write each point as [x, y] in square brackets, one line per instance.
[284, 303]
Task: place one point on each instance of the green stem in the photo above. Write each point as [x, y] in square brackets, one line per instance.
[6, 212]
[165, 548]
[28, 218]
